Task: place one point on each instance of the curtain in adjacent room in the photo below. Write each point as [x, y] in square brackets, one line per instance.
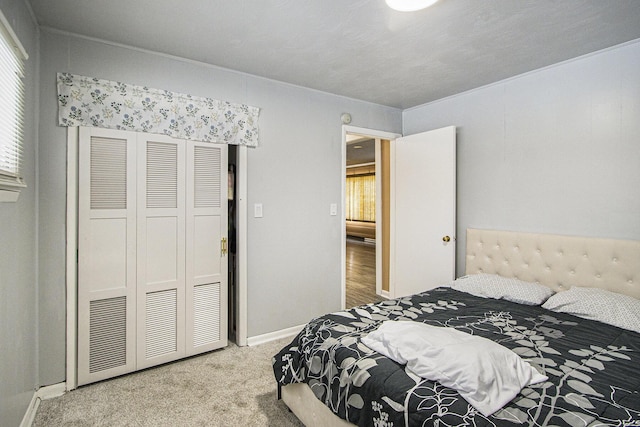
[361, 198]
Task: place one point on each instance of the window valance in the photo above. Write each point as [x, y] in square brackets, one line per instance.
[87, 101]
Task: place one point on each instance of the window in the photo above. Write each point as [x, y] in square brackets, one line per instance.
[12, 57]
[361, 198]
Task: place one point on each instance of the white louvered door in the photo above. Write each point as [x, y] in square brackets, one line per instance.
[206, 289]
[106, 254]
[161, 249]
[152, 272]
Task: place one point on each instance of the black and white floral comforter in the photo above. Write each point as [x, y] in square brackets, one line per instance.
[593, 369]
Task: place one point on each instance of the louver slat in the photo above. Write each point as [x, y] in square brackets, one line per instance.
[12, 100]
[206, 314]
[107, 334]
[161, 323]
[162, 175]
[108, 173]
[207, 177]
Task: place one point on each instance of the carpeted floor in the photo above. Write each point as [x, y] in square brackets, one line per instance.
[230, 387]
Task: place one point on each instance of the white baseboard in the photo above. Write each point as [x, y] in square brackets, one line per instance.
[43, 393]
[51, 391]
[276, 335]
[30, 414]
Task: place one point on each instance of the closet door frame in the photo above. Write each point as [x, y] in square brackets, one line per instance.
[71, 270]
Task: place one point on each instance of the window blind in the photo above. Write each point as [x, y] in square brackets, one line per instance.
[361, 198]
[12, 57]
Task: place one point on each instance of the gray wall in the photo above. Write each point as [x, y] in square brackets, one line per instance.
[18, 289]
[294, 250]
[554, 151]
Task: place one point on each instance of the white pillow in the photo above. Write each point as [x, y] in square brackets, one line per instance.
[498, 287]
[486, 374]
[614, 309]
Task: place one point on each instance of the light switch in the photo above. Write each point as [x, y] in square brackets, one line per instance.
[257, 210]
[333, 209]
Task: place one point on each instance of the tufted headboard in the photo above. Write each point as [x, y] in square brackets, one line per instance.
[556, 261]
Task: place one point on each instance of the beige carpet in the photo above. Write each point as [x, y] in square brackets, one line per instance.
[230, 387]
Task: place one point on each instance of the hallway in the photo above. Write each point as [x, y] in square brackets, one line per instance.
[360, 274]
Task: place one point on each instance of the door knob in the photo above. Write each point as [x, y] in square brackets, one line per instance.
[446, 239]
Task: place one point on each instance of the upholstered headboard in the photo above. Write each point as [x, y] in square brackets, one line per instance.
[556, 261]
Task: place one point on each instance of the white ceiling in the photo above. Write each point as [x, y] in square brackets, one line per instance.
[361, 150]
[359, 48]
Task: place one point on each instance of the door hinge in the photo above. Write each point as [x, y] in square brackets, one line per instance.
[223, 246]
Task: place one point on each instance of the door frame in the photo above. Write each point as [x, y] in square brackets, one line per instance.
[71, 264]
[377, 134]
[71, 270]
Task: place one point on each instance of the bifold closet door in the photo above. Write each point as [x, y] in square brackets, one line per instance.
[161, 249]
[152, 261]
[206, 260]
[106, 254]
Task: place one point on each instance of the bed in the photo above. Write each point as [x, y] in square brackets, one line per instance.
[328, 377]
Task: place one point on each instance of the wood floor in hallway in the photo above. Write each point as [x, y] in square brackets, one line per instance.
[361, 274]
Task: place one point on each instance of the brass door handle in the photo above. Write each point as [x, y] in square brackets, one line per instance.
[446, 239]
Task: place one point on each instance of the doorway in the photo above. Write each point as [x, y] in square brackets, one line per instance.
[232, 258]
[361, 200]
[424, 162]
[366, 213]
[238, 161]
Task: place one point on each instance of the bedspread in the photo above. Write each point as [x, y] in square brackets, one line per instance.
[593, 368]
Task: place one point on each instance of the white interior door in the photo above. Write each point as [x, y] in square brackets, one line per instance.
[206, 234]
[152, 265]
[106, 254]
[161, 249]
[424, 211]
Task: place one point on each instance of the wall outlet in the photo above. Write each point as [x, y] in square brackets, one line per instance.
[257, 210]
[333, 209]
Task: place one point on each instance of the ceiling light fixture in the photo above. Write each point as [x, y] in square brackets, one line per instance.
[409, 5]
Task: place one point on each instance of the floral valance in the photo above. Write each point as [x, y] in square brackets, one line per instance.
[86, 101]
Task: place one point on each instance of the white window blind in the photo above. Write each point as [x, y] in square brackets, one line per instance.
[12, 57]
[361, 198]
